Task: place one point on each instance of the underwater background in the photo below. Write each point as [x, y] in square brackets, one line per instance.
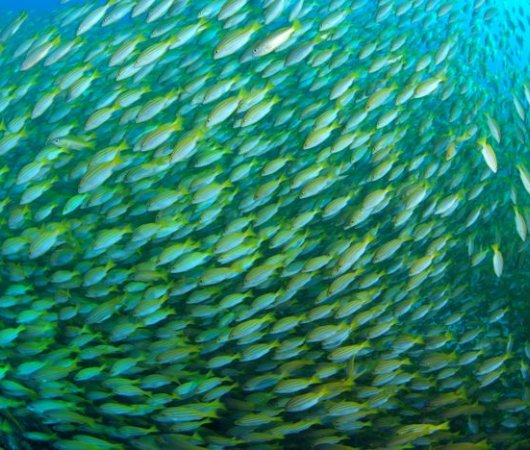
[264, 224]
[47, 6]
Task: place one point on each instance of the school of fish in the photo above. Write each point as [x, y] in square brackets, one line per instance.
[265, 224]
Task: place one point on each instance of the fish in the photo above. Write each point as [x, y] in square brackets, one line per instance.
[277, 223]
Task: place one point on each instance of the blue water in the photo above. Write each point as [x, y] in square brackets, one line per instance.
[30, 5]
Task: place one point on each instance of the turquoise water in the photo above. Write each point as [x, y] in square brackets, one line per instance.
[276, 224]
[32, 5]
